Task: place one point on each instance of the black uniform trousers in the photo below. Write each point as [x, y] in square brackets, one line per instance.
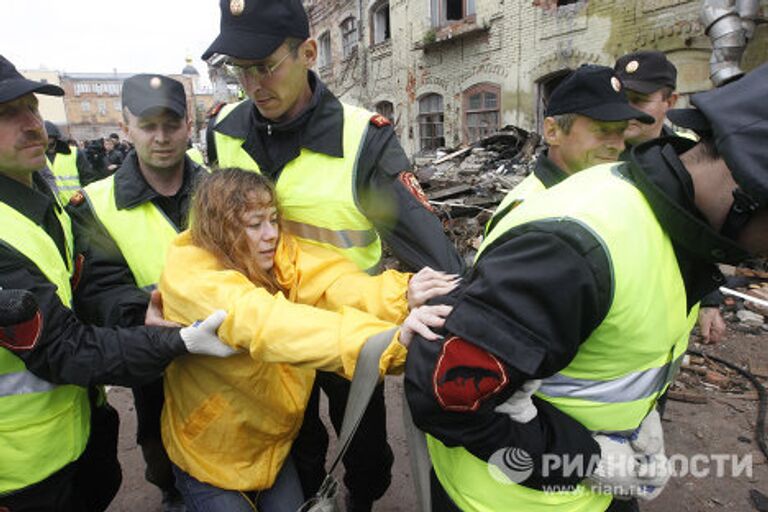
[368, 461]
[149, 400]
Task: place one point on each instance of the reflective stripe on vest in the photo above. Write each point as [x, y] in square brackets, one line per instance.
[43, 427]
[142, 233]
[318, 207]
[22, 383]
[624, 365]
[627, 388]
[64, 169]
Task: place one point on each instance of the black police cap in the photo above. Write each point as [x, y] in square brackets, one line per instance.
[595, 92]
[736, 117]
[646, 71]
[13, 85]
[254, 29]
[145, 93]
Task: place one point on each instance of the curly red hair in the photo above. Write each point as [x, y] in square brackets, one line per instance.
[221, 200]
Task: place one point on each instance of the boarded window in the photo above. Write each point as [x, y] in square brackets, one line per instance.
[431, 134]
[481, 111]
[348, 36]
[386, 109]
[324, 41]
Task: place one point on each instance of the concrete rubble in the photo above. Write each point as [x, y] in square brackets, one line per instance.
[465, 185]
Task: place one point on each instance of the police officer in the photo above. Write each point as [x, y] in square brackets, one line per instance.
[69, 165]
[585, 121]
[595, 296]
[651, 83]
[125, 223]
[58, 438]
[342, 182]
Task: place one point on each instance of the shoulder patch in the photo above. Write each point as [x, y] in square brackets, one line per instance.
[410, 182]
[379, 120]
[24, 336]
[77, 199]
[214, 110]
[466, 376]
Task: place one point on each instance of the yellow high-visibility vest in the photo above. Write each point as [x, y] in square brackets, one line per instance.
[627, 362]
[43, 426]
[64, 169]
[317, 192]
[142, 233]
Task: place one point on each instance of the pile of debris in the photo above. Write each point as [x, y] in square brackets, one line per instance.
[745, 309]
[464, 186]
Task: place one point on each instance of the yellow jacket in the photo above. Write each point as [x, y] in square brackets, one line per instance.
[230, 422]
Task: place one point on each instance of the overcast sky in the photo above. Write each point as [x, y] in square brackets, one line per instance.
[98, 36]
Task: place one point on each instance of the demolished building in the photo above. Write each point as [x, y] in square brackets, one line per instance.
[450, 72]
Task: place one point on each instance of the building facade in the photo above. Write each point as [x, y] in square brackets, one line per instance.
[92, 108]
[92, 102]
[448, 72]
[51, 107]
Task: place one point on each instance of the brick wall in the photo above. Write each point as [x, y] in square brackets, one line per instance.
[510, 44]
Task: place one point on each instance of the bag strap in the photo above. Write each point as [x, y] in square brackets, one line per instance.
[364, 382]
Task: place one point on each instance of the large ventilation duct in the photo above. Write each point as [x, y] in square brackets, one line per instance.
[723, 26]
[748, 10]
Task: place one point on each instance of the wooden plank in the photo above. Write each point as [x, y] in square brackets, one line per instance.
[450, 156]
[687, 396]
[450, 191]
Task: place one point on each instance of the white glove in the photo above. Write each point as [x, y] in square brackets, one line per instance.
[627, 474]
[200, 337]
[648, 439]
[519, 407]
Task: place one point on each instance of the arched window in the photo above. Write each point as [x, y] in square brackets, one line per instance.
[386, 109]
[348, 36]
[481, 111]
[431, 134]
[545, 86]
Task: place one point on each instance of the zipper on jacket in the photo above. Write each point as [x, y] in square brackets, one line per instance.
[269, 130]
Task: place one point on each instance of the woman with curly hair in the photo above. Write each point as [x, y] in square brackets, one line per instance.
[292, 308]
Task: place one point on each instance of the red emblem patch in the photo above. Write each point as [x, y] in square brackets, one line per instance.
[22, 336]
[379, 120]
[214, 110]
[412, 184]
[466, 376]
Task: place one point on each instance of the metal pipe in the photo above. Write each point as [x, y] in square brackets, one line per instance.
[748, 11]
[725, 30]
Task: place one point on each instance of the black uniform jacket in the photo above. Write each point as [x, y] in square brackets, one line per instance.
[533, 297]
[413, 233]
[68, 351]
[108, 294]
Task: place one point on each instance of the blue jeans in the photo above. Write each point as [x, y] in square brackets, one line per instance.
[285, 495]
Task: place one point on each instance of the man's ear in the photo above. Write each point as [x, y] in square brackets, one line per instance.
[672, 100]
[123, 124]
[308, 52]
[551, 132]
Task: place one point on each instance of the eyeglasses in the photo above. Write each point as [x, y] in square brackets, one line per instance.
[255, 71]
